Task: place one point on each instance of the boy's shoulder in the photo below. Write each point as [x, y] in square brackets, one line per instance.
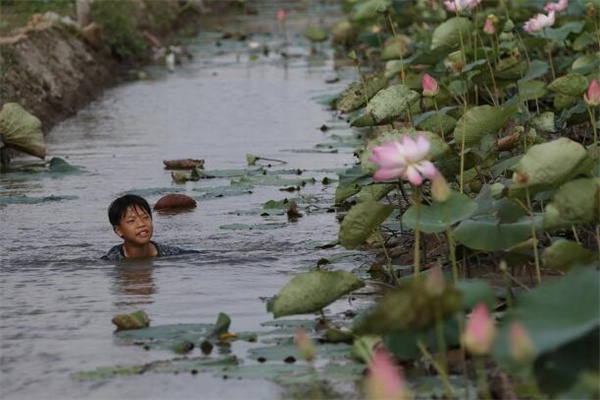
[166, 250]
[114, 254]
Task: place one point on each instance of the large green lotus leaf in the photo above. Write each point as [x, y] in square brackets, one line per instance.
[448, 33]
[438, 147]
[395, 48]
[312, 291]
[564, 254]
[548, 165]
[410, 307]
[316, 34]
[438, 123]
[582, 41]
[60, 166]
[475, 291]
[437, 216]
[354, 97]
[349, 183]
[479, 122]
[369, 10]
[374, 193]
[570, 85]
[562, 101]
[489, 234]
[22, 130]
[575, 202]
[360, 222]
[586, 63]
[554, 314]
[405, 345]
[560, 34]
[387, 105]
[537, 69]
[177, 365]
[532, 90]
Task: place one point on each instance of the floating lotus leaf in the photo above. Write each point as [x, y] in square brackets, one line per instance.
[532, 90]
[576, 202]
[387, 105]
[273, 180]
[151, 191]
[448, 33]
[554, 314]
[361, 221]
[548, 165]
[489, 234]
[22, 130]
[231, 173]
[438, 148]
[60, 166]
[316, 34]
[566, 254]
[571, 85]
[479, 122]
[362, 348]
[369, 10]
[436, 122]
[354, 96]
[254, 227]
[436, 217]
[171, 201]
[331, 351]
[33, 200]
[349, 183]
[395, 48]
[224, 191]
[185, 163]
[410, 307]
[312, 291]
[136, 320]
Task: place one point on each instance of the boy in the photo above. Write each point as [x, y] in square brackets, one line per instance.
[131, 218]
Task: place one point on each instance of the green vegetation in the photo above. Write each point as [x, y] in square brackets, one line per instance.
[16, 13]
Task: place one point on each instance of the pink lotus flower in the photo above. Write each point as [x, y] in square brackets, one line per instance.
[281, 16]
[519, 343]
[305, 345]
[384, 380]
[592, 97]
[435, 283]
[404, 160]
[430, 86]
[539, 22]
[558, 7]
[480, 332]
[489, 28]
[460, 5]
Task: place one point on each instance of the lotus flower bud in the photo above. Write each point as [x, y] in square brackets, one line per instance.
[480, 331]
[305, 345]
[430, 86]
[385, 381]
[520, 344]
[592, 97]
[281, 16]
[435, 284]
[489, 27]
[440, 189]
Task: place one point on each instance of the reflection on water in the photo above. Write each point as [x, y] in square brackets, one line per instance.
[134, 279]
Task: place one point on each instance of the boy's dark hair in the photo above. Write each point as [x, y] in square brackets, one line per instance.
[118, 208]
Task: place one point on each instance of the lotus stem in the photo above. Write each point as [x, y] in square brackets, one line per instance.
[417, 251]
[440, 336]
[462, 154]
[506, 280]
[388, 259]
[443, 375]
[549, 51]
[482, 378]
[489, 64]
[437, 114]
[534, 236]
[575, 234]
[452, 250]
[592, 113]
[463, 353]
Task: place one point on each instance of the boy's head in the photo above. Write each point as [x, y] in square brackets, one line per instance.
[131, 218]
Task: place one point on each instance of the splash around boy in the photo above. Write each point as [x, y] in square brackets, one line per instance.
[131, 219]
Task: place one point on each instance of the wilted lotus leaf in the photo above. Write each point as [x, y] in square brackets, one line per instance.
[354, 96]
[182, 177]
[22, 130]
[548, 165]
[369, 10]
[570, 85]
[136, 320]
[185, 163]
[310, 292]
[544, 122]
[576, 202]
[171, 201]
[361, 221]
[387, 105]
[395, 48]
[479, 122]
[316, 34]
[343, 33]
[408, 308]
[566, 254]
[448, 33]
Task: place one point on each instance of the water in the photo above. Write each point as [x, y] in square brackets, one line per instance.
[58, 298]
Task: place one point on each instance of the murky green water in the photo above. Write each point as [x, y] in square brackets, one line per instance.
[57, 296]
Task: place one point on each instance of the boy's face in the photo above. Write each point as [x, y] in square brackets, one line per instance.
[135, 227]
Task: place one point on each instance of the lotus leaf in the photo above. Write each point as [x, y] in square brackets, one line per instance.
[369, 10]
[60, 166]
[560, 34]
[532, 90]
[387, 105]
[22, 130]
[571, 85]
[586, 63]
[316, 34]
[362, 348]
[136, 320]
[449, 33]
[436, 122]
[375, 192]
[395, 48]
[361, 221]
[536, 69]
[224, 191]
[566, 254]
[280, 353]
[548, 165]
[312, 291]
[186, 163]
[171, 201]
[489, 234]
[544, 122]
[254, 227]
[480, 121]
[436, 217]
[33, 200]
[575, 202]
[354, 96]
[343, 33]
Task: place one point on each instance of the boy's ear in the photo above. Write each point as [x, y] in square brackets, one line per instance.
[118, 231]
